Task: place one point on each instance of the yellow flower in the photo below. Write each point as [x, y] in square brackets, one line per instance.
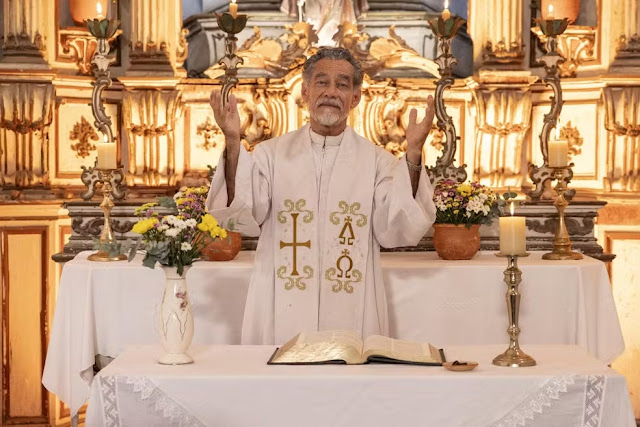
[144, 225]
[456, 211]
[181, 200]
[455, 204]
[464, 190]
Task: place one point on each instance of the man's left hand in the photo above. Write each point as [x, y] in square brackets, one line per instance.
[417, 132]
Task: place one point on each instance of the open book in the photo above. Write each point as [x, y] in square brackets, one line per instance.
[347, 347]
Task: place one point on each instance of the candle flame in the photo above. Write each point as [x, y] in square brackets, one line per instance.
[512, 208]
[99, 9]
[446, 4]
[558, 132]
[104, 137]
[233, 1]
[550, 10]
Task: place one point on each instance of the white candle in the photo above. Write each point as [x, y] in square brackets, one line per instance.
[445, 13]
[513, 237]
[233, 8]
[558, 151]
[106, 155]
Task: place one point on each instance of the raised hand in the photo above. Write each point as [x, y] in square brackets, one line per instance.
[227, 118]
[417, 132]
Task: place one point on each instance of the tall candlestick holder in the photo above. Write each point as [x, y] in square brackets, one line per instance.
[561, 240]
[446, 30]
[107, 239]
[513, 356]
[540, 176]
[231, 24]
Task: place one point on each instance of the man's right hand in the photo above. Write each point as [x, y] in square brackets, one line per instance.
[227, 119]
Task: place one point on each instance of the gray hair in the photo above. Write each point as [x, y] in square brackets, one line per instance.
[335, 53]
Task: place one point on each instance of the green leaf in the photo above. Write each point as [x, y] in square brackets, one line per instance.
[167, 202]
[149, 261]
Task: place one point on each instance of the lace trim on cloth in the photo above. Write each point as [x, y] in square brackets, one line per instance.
[109, 393]
[593, 398]
[161, 403]
[536, 402]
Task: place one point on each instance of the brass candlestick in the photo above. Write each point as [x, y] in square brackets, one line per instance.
[513, 356]
[561, 240]
[232, 25]
[106, 238]
[446, 30]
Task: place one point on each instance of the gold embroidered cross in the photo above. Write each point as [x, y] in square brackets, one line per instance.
[294, 244]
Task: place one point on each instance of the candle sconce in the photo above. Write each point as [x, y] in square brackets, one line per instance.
[231, 24]
[544, 174]
[446, 30]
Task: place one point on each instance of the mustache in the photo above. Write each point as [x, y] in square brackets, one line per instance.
[329, 101]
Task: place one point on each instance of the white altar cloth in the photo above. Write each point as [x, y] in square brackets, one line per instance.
[232, 386]
[104, 307]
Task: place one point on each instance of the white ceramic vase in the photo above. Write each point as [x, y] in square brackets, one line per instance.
[176, 319]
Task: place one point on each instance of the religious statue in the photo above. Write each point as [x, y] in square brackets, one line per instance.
[325, 15]
[322, 200]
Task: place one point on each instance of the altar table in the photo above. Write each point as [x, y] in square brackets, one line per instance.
[232, 386]
[104, 307]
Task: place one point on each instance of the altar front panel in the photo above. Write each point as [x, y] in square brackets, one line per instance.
[103, 308]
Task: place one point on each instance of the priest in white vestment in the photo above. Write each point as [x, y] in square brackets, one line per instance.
[322, 200]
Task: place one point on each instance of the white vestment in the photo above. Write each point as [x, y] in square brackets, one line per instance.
[322, 207]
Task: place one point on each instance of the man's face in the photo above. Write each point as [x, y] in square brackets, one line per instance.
[330, 93]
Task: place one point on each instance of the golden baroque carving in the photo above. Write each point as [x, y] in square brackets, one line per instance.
[254, 119]
[575, 45]
[572, 134]
[210, 132]
[83, 132]
[500, 53]
[78, 45]
[437, 137]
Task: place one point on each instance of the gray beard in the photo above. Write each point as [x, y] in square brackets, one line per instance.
[328, 119]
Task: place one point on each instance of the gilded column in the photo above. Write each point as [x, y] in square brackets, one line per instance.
[26, 23]
[495, 27]
[158, 42]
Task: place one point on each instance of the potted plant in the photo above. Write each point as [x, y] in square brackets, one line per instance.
[460, 210]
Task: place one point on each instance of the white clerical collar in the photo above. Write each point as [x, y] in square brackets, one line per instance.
[316, 138]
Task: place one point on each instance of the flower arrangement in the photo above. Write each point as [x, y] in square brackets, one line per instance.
[178, 237]
[463, 203]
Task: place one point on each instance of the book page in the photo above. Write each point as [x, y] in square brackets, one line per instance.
[410, 351]
[324, 346]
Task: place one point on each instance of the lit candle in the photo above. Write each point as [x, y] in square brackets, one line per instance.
[558, 151]
[233, 8]
[106, 155]
[550, 12]
[445, 13]
[513, 237]
[99, 10]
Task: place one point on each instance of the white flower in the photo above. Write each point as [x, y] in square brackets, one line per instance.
[178, 195]
[185, 246]
[172, 232]
[191, 223]
[163, 227]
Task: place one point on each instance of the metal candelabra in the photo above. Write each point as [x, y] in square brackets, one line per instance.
[446, 30]
[231, 24]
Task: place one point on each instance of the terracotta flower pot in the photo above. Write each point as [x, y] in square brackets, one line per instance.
[561, 9]
[456, 242]
[86, 9]
[223, 249]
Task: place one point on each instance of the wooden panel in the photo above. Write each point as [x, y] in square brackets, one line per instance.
[24, 309]
[625, 272]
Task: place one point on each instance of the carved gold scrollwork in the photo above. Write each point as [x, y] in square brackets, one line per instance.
[210, 132]
[575, 45]
[79, 46]
[572, 134]
[83, 132]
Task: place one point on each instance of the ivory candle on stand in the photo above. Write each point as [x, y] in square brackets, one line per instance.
[233, 8]
[513, 236]
[558, 151]
[106, 155]
[445, 13]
